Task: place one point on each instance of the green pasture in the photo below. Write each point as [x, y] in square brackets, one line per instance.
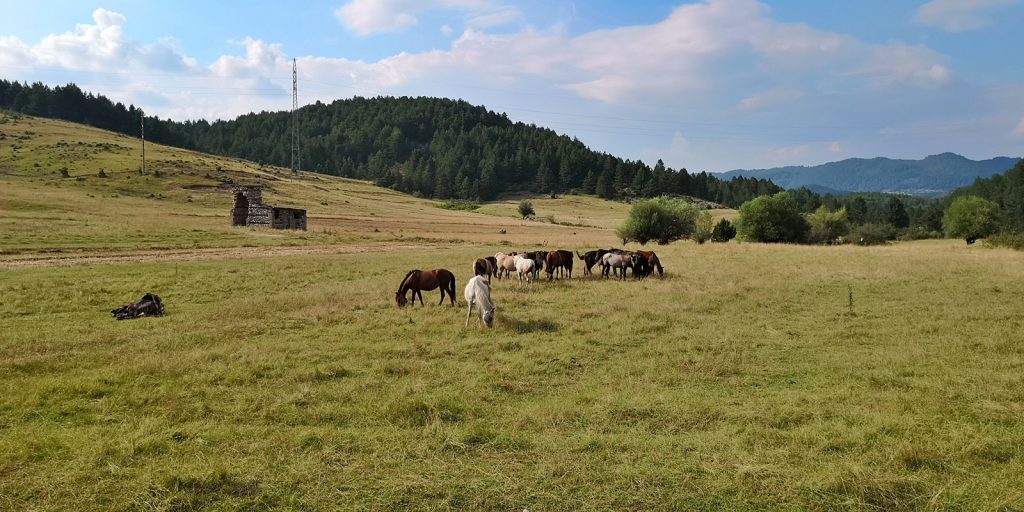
[751, 377]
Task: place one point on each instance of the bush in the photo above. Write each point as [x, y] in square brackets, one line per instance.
[64, 172]
[873, 234]
[702, 228]
[662, 219]
[102, 174]
[971, 218]
[459, 204]
[772, 219]
[723, 232]
[526, 208]
[1004, 239]
[917, 233]
[828, 226]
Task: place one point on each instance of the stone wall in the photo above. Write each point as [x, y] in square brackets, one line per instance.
[289, 218]
[248, 210]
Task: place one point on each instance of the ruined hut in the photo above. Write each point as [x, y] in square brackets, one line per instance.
[249, 210]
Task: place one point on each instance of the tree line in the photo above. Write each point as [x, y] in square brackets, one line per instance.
[432, 147]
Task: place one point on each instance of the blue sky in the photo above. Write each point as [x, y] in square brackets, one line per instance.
[708, 85]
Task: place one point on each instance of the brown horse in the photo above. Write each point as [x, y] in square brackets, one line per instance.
[652, 262]
[556, 260]
[419, 280]
[483, 267]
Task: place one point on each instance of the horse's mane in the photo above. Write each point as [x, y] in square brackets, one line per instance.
[411, 272]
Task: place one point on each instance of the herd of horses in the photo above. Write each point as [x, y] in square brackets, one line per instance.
[527, 267]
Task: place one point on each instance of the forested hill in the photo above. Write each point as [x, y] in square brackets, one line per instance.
[1006, 190]
[934, 175]
[434, 147]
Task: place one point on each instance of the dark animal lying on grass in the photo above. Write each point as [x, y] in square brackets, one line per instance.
[148, 305]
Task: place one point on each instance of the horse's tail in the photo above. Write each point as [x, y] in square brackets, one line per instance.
[411, 272]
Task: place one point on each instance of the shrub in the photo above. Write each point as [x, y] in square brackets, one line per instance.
[873, 234]
[723, 232]
[702, 228]
[64, 172]
[526, 208]
[1004, 239]
[772, 219]
[459, 204]
[828, 226]
[917, 233]
[102, 174]
[661, 219]
[970, 218]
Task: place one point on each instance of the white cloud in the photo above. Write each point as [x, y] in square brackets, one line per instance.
[1019, 130]
[835, 147]
[97, 47]
[903, 63]
[770, 98]
[503, 16]
[959, 15]
[447, 30]
[365, 17]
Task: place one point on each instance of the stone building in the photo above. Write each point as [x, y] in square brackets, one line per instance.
[249, 210]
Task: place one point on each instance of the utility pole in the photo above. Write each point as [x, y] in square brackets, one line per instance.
[296, 154]
[142, 131]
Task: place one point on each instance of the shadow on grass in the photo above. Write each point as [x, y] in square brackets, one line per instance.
[525, 326]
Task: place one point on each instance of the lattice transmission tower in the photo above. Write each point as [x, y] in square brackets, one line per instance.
[296, 154]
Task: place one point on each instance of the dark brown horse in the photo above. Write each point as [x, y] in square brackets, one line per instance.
[483, 267]
[556, 260]
[652, 262]
[589, 259]
[419, 280]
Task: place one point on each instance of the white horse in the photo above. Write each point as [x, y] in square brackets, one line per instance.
[618, 262]
[506, 263]
[525, 268]
[477, 292]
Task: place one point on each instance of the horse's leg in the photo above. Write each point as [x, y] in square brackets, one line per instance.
[469, 312]
[420, 294]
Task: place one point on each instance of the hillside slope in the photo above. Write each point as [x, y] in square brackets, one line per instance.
[934, 175]
[435, 147]
[183, 201]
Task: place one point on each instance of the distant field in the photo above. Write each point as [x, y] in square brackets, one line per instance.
[752, 377]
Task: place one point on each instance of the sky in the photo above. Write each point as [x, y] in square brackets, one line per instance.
[707, 85]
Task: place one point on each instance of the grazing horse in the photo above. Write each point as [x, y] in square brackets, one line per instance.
[525, 267]
[618, 261]
[652, 262]
[558, 260]
[506, 263]
[494, 267]
[477, 292]
[483, 267]
[589, 259]
[419, 280]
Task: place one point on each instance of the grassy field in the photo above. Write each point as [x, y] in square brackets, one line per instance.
[283, 376]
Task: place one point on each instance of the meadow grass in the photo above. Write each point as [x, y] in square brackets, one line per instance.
[283, 376]
[740, 381]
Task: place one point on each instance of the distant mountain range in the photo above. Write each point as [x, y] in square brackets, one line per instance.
[932, 176]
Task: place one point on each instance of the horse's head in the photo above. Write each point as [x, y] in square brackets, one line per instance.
[489, 317]
[400, 299]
